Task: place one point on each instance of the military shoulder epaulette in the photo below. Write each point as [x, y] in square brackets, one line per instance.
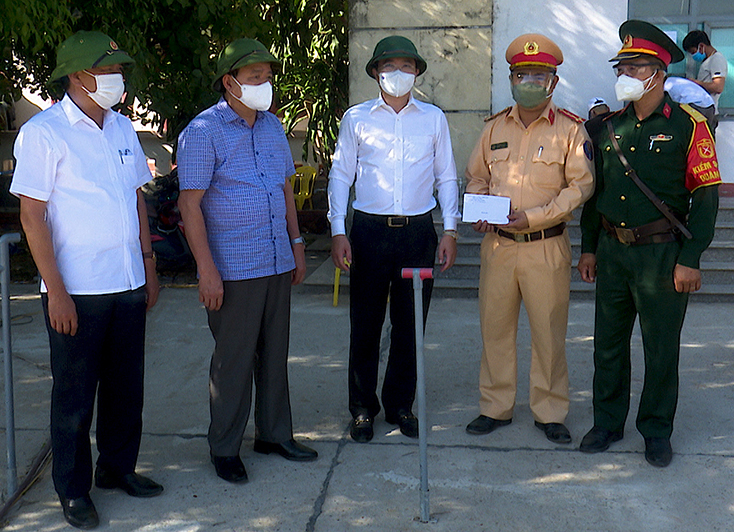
[698, 117]
[503, 111]
[569, 114]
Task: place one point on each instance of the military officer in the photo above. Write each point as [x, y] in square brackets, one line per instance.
[643, 263]
[540, 157]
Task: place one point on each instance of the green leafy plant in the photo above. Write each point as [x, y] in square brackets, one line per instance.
[175, 44]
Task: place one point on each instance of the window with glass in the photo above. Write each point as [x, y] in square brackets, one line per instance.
[678, 17]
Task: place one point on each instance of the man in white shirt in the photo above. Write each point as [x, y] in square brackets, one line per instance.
[713, 70]
[395, 150]
[78, 176]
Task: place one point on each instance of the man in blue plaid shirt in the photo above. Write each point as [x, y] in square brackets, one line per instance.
[241, 223]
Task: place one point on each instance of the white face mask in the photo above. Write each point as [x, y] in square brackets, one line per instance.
[630, 89]
[110, 88]
[257, 97]
[396, 83]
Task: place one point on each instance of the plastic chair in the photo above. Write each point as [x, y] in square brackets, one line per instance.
[302, 182]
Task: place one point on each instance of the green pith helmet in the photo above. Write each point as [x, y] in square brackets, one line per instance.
[240, 53]
[395, 46]
[85, 50]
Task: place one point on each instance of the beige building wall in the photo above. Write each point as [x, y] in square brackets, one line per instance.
[455, 38]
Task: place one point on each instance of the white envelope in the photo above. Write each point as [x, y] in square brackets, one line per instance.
[492, 209]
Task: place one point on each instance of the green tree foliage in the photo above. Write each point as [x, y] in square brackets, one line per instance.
[175, 44]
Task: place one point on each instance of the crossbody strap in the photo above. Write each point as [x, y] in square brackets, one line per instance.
[629, 171]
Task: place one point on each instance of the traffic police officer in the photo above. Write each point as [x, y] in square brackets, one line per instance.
[540, 157]
[640, 260]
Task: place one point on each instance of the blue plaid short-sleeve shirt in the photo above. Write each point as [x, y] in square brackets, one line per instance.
[243, 171]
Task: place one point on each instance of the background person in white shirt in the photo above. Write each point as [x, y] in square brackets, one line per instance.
[395, 150]
[80, 165]
[713, 69]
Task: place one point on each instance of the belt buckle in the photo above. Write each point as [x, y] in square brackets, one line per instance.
[520, 237]
[397, 221]
[625, 236]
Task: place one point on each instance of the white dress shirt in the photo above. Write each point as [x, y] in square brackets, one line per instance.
[88, 178]
[397, 159]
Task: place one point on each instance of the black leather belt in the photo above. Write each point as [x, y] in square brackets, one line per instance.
[657, 232]
[392, 221]
[532, 237]
[397, 221]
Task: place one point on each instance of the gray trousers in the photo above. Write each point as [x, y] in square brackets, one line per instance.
[251, 341]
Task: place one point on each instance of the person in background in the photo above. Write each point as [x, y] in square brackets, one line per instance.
[713, 66]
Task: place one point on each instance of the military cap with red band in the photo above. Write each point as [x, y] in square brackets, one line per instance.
[642, 38]
[533, 49]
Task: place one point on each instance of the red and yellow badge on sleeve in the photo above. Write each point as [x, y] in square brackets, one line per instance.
[702, 168]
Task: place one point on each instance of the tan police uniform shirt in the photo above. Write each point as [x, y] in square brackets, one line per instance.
[546, 169]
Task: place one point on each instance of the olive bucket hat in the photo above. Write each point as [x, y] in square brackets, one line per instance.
[85, 50]
[395, 46]
[240, 53]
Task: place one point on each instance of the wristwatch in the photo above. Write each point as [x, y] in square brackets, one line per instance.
[298, 240]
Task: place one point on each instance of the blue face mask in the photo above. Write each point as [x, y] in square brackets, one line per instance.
[698, 57]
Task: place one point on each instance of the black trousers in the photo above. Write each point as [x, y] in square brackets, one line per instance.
[379, 253]
[104, 359]
[251, 332]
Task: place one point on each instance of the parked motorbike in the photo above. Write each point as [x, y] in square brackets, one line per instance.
[167, 233]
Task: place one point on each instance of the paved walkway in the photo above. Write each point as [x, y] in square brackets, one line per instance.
[511, 480]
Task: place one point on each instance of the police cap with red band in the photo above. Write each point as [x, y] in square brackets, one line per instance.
[533, 50]
[642, 38]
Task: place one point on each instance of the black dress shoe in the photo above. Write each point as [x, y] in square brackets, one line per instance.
[133, 484]
[360, 429]
[598, 439]
[230, 468]
[486, 424]
[658, 451]
[290, 450]
[80, 513]
[555, 432]
[407, 422]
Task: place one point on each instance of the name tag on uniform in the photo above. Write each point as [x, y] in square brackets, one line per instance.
[659, 138]
[126, 156]
[498, 146]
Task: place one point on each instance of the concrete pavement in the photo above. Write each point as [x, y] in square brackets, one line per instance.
[510, 480]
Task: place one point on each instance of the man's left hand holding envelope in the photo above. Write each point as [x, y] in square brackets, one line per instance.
[485, 212]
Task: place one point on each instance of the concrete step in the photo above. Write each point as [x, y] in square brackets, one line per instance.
[717, 282]
[462, 280]
[720, 250]
[720, 273]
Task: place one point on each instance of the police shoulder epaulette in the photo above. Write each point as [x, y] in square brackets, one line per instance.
[569, 114]
[503, 111]
[698, 117]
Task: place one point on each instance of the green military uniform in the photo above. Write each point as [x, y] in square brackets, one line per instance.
[673, 154]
